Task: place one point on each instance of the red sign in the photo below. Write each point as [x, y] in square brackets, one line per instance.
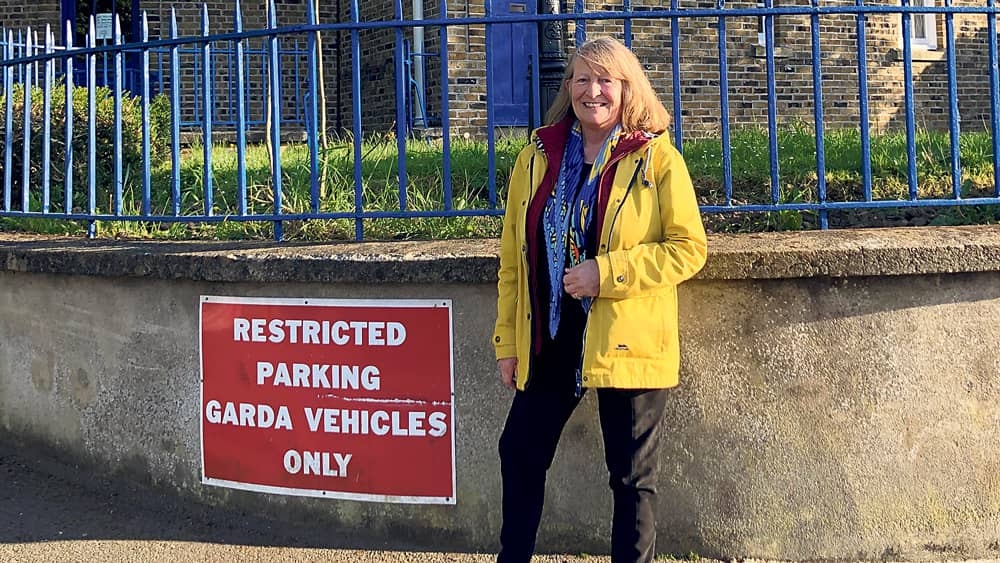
[331, 398]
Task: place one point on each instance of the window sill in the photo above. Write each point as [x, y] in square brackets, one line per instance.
[760, 52]
[918, 55]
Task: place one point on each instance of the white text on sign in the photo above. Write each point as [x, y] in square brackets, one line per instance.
[304, 331]
[317, 463]
[319, 376]
[330, 421]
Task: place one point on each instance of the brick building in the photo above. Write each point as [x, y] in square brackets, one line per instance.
[512, 46]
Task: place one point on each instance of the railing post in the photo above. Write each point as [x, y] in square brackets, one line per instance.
[817, 77]
[727, 156]
[356, 137]
[402, 116]
[274, 96]
[627, 27]
[144, 61]
[70, 90]
[47, 120]
[241, 113]
[26, 131]
[994, 78]
[865, 121]
[675, 72]
[312, 109]
[580, 7]
[772, 113]
[119, 69]
[954, 117]
[208, 88]
[445, 120]
[8, 140]
[175, 118]
[92, 130]
[911, 128]
[491, 169]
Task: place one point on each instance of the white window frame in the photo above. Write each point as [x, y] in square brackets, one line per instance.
[930, 21]
[761, 34]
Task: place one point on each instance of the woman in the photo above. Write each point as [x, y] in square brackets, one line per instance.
[601, 226]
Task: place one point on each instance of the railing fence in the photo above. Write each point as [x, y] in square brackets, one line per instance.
[243, 80]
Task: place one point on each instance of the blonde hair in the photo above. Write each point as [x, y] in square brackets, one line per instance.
[641, 110]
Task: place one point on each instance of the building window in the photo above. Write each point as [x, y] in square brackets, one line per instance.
[761, 30]
[760, 47]
[923, 28]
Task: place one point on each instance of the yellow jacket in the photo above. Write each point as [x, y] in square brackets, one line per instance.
[652, 239]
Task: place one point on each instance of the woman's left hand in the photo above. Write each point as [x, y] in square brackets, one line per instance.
[583, 280]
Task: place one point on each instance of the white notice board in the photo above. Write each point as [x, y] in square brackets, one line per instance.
[103, 27]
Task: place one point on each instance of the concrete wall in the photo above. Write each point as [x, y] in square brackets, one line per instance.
[839, 393]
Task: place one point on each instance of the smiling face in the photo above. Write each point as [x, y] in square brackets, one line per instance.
[596, 97]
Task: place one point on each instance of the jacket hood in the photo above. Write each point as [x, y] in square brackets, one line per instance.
[551, 139]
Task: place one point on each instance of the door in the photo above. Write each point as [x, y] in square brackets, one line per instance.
[512, 48]
[104, 11]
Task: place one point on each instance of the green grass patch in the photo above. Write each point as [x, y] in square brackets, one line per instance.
[799, 183]
[424, 189]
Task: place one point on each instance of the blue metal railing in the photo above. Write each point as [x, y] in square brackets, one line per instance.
[254, 88]
[224, 88]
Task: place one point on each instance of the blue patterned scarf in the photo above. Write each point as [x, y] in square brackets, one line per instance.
[568, 214]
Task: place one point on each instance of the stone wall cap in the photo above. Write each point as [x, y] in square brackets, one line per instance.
[854, 252]
[796, 254]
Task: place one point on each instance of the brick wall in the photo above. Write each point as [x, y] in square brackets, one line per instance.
[698, 65]
[21, 15]
[746, 69]
[221, 20]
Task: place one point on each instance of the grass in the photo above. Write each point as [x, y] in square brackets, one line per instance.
[750, 169]
[798, 181]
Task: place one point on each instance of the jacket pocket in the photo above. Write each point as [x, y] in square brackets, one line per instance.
[636, 327]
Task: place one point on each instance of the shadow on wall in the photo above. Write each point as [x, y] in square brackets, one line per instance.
[930, 84]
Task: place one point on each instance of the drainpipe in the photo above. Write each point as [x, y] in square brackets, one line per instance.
[552, 62]
[337, 49]
[418, 65]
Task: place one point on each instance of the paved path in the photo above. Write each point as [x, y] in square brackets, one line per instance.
[48, 513]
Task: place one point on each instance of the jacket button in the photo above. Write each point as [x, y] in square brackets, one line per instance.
[529, 316]
[621, 279]
[497, 339]
[603, 246]
[585, 378]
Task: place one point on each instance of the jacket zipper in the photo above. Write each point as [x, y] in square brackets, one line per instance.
[622, 202]
[578, 392]
[527, 271]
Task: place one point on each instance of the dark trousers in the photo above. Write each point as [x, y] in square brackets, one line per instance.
[630, 424]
